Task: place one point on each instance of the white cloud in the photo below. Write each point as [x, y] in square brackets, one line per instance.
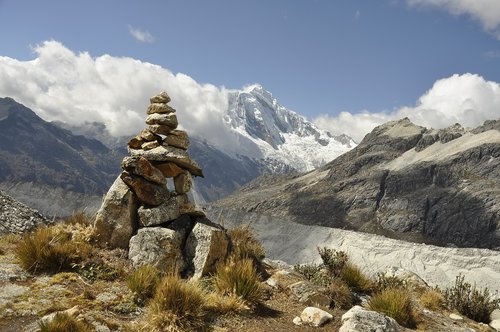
[487, 12]
[467, 99]
[77, 88]
[141, 35]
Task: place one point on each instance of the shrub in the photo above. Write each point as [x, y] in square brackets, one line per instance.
[340, 294]
[245, 245]
[356, 279]
[50, 249]
[143, 282]
[333, 260]
[240, 278]
[63, 322]
[316, 274]
[383, 281]
[432, 299]
[474, 303]
[176, 306]
[395, 303]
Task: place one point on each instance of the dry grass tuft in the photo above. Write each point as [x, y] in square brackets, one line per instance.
[143, 282]
[432, 299]
[340, 294]
[245, 245]
[176, 306]
[239, 278]
[63, 322]
[395, 303]
[50, 249]
[356, 279]
[223, 305]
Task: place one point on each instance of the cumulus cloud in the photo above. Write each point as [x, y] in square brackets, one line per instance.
[467, 99]
[487, 12]
[141, 35]
[78, 88]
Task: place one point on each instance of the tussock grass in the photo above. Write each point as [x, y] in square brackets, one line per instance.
[224, 305]
[395, 303]
[432, 299]
[340, 294]
[78, 218]
[245, 245]
[63, 322]
[176, 306]
[477, 304]
[356, 279]
[50, 249]
[143, 282]
[239, 278]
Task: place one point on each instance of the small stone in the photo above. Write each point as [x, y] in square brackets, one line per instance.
[135, 143]
[297, 321]
[309, 294]
[150, 145]
[160, 129]
[162, 119]
[183, 182]
[315, 316]
[147, 192]
[169, 170]
[456, 317]
[162, 97]
[160, 108]
[142, 167]
[149, 136]
[47, 319]
[177, 138]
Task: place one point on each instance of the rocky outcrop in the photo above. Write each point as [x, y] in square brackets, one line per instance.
[160, 227]
[358, 319]
[403, 181]
[16, 217]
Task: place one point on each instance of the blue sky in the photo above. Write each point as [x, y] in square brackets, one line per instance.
[317, 57]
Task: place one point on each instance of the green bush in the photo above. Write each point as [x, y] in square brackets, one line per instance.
[143, 282]
[395, 303]
[474, 303]
[240, 278]
[333, 260]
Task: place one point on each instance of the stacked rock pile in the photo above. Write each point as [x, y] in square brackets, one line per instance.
[159, 226]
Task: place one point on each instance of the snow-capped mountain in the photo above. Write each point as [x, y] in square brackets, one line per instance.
[284, 139]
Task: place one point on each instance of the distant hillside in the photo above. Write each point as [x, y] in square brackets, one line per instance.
[402, 180]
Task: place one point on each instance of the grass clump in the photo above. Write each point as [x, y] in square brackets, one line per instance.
[340, 294]
[63, 322]
[226, 304]
[395, 303]
[432, 299]
[143, 282]
[356, 279]
[50, 249]
[238, 278]
[245, 245]
[176, 306]
[474, 303]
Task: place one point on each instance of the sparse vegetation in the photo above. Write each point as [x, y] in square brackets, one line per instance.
[50, 249]
[245, 245]
[143, 282]
[176, 306]
[340, 294]
[356, 279]
[384, 281]
[395, 303]
[477, 304]
[63, 322]
[334, 261]
[238, 277]
[432, 299]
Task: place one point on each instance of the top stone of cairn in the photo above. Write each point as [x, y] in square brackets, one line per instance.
[162, 98]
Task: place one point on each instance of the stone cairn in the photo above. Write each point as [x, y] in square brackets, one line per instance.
[139, 213]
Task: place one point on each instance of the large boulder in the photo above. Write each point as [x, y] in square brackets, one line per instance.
[157, 246]
[167, 211]
[142, 167]
[148, 192]
[495, 319]
[358, 319]
[205, 246]
[116, 220]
